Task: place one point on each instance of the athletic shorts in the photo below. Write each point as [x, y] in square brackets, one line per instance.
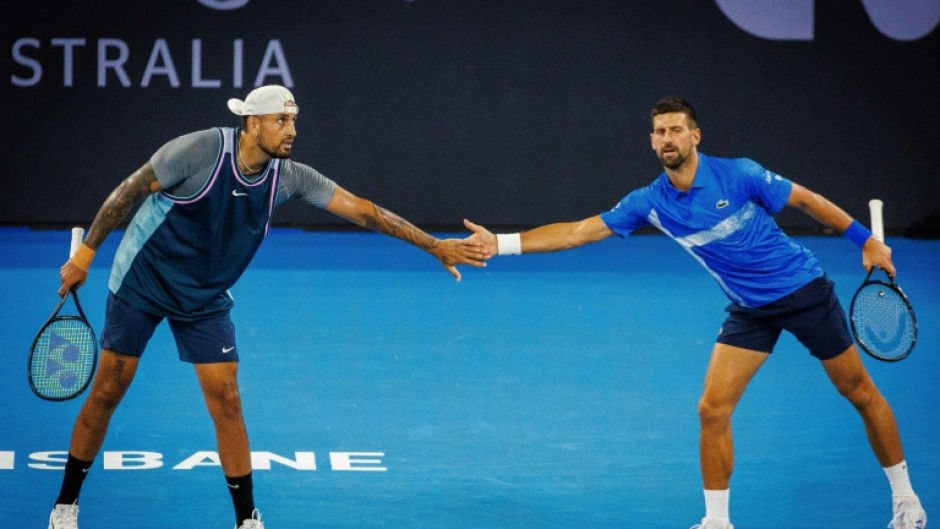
[812, 314]
[128, 329]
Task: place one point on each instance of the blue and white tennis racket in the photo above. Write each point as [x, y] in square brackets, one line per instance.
[64, 354]
[882, 318]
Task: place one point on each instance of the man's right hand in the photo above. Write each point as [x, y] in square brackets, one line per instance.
[483, 237]
[71, 276]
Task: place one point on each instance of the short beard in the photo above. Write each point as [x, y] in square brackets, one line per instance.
[675, 164]
[274, 154]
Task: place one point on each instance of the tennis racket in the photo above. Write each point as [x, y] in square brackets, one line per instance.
[882, 317]
[64, 354]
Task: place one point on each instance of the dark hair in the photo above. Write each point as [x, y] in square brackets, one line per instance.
[669, 105]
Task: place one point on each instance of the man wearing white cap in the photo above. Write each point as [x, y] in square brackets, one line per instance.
[207, 199]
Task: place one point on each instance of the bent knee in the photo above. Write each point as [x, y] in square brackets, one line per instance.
[106, 399]
[225, 401]
[107, 393]
[712, 412]
[859, 390]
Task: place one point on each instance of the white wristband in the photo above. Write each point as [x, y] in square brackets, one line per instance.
[508, 244]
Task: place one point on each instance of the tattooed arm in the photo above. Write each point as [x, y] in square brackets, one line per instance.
[367, 214]
[115, 209]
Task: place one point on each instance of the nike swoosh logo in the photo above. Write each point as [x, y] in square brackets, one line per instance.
[237, 194]
[227, 349]
[233, 486]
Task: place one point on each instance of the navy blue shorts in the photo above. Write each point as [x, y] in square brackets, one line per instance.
[128, 329]
[812, 314]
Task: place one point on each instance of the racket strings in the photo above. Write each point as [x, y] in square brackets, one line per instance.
[883, 321]
[63, 357]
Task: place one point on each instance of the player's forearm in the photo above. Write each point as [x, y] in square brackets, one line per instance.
[553, 238]
[819, 208]
[384, 221]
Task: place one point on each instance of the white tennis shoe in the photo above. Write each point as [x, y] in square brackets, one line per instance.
[64, 516]
[713, 523]
[253, 523]
[908, 514]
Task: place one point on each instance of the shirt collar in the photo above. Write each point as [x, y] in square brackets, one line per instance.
[703, 177]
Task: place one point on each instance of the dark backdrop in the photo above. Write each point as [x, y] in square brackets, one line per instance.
[511, 113]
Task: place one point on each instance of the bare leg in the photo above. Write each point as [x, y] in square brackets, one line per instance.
[850, 377]
[114, 376]
[220, 390]
[729, 372]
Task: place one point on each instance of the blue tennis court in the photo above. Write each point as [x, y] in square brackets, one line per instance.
[545, 391]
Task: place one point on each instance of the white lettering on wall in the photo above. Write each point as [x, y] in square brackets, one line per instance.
[198, 81]
[116, 64]
[274, 64]
[113, 56]
[32, 64]
[165, 66]
[238, 50]
[68, 47]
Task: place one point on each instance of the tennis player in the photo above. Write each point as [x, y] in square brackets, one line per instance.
[207, 199]
[720, 211]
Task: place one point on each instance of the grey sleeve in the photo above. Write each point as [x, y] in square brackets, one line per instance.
[302, 181]
[183, 165]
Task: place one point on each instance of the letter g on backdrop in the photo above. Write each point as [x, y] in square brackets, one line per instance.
[224, 5]
[902, 20]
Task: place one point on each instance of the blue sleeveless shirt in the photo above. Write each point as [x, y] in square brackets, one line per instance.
[181, 254]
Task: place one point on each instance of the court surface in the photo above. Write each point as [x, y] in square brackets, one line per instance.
[545, 391]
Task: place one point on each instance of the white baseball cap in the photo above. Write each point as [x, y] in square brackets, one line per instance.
[268, 99]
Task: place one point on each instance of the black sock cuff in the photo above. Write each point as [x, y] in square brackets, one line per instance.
[73, 461]
[240, 482]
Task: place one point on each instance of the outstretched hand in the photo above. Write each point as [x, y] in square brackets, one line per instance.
[453, 252]
[483, 237]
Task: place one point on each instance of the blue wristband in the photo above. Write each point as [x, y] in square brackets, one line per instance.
[857, 233]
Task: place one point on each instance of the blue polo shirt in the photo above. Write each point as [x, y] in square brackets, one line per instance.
[725, 221]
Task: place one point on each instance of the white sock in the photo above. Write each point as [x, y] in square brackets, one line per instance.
[716, 504]
[900, 480]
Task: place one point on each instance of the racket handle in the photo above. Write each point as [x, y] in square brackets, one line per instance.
[77, 234]
[877, 223]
